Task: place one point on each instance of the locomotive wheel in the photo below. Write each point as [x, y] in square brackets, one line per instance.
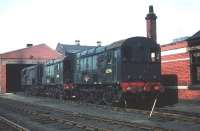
[91, 97]
[108, 98]
[112, 96]
[27, 92]
[98, 97]
[123, 101]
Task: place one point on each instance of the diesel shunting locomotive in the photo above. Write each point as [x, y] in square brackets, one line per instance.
[128, 70]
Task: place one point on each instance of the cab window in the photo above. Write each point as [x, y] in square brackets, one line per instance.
[154, 55]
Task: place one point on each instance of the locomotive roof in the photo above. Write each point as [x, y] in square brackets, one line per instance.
[116, 44]
[195, 36]
[133, 40]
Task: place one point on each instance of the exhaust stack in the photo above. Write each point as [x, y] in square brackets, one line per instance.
[151, 24]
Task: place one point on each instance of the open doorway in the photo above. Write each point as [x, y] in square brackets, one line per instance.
[13, 79]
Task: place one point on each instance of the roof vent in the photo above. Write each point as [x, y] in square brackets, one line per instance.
[77, 42]
[29, 45]
[98, 43]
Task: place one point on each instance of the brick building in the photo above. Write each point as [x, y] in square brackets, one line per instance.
[12, 62]
[180, 63]
[181, 67]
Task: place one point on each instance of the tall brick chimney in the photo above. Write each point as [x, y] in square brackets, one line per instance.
[151, 24]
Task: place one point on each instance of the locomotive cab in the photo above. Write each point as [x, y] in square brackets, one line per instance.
[140, 68]
[140, 61]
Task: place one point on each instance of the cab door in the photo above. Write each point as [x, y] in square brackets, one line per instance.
[116, 65]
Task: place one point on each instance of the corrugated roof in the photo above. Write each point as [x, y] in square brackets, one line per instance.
[41, 51]
[65, 48]
[116, 44]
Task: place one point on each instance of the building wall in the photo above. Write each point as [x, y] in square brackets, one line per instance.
[180, 68]
[188, 94]
[3, 64]
[177, 45]
[175, 60]
[31, 55]
[3, 79]
[41, 51]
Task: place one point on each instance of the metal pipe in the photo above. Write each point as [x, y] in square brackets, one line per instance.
[152, 109]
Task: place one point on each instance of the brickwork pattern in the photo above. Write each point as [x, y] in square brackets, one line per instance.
[177, 45]
[189, 94]
[3, 78]
[179, 65]
[175, 57]
[181, 69]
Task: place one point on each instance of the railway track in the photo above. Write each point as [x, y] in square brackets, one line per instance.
[165, 114]
[180, 115]
[48, 115]
[7, 125]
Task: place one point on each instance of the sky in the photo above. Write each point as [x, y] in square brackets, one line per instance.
[64, 21]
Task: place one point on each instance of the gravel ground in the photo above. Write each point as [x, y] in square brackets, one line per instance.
[186, 106]
[5, 127]
[107, 112]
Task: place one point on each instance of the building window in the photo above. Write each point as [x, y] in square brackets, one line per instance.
[196, 58]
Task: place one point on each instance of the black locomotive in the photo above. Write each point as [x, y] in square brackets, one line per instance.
[125, 71]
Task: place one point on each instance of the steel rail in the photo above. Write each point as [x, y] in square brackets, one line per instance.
[13, 124]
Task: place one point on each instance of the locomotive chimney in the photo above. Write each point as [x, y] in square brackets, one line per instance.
[151, 24]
